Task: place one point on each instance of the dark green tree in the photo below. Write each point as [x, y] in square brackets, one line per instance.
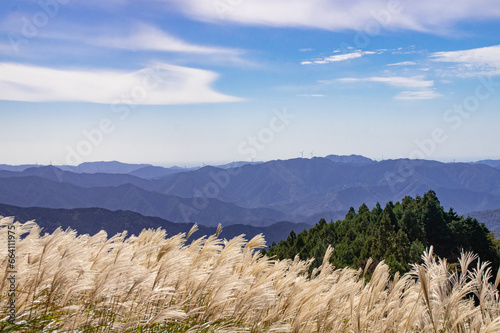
[398, 234]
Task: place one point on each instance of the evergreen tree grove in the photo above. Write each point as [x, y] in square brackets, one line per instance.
[397, 234]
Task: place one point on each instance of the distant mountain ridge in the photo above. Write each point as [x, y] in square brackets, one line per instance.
[35, 191]
[310, 186]
[20, 167]
[149, 171]
[85, 180]
[351, 159]
[492, 163]
[146, 171]
[296, 190]
[92, 220]
[489, 217]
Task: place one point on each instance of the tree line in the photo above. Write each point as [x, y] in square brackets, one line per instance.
[398, 234]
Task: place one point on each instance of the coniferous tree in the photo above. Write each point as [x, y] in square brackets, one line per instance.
[398, 234]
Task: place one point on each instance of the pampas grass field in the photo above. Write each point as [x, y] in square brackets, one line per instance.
[153, 283]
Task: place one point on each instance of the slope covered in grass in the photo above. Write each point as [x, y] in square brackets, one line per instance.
[151, 283]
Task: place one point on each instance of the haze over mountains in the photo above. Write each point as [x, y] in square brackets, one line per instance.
[92, 220]
[259, 194]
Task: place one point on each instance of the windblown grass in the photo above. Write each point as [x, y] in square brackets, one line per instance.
[150, 283]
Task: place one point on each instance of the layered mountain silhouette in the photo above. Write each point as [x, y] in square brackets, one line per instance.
[260, 194]
[36, 191]
[311, 186]
[493, 163]
[351, 159]
[489, 217]
[92, 220]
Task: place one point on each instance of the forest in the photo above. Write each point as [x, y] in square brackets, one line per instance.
[398, 234]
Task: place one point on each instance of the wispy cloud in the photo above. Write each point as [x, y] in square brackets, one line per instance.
[473, 62]
[311, 95]
[78, 38]
[403, 63]
[425, 15]
[395, 81]
[149, 38]
[337, 57]
[159, 84]
[421, 87]
[418, 95]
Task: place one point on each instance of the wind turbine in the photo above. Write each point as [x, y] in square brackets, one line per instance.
[302, 154]
[311, 154]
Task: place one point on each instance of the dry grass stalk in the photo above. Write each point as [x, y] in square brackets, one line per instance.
[153, 283]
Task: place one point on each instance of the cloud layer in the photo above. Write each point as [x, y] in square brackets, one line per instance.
[149, 38]
[424, 15]
[480, 61]
[395, 81]
[159, 84]
[422, 89]
[338, 57]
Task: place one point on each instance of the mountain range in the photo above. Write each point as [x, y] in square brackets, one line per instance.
[92, 220]
[258, 194]
[146, 171]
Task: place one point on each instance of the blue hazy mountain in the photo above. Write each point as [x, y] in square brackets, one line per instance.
[489, 217]
[85, 180]
[235, 164]
[92, 220]
[350, 159]
[17, 167]
[296, 190]
[311, 186]
[152, 172]
[34, 191]
[103, 167]
[492, 163]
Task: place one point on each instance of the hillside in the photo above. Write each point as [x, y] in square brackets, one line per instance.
[35, 191]
[351, 159]
[397, 234]
[92, 220]
[492, 163]
[489, 217]
[158, 283]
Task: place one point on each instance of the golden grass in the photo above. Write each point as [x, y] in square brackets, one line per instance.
[151, 283]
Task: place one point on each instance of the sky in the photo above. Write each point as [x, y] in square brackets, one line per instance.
[186, 82]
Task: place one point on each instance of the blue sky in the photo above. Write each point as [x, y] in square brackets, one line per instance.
[185, 82]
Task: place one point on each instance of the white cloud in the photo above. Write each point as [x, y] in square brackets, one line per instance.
[159, 84]
[424, 15]
[337, 57]
[135, 37]
[417, 95]
[395, 81]
[421, 87]
[480, 61]
[403, 63]
[150, 38]
[311, 95]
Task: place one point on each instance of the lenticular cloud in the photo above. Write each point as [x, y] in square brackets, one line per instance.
[159, 84]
